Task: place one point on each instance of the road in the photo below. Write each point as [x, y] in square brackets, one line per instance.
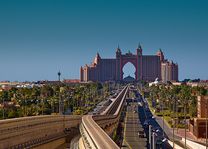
[147, 119]
[132, 129]
[159, 120]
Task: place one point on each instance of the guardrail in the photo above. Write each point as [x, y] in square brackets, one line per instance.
[93, 136]
[111, 107]
[192, 144]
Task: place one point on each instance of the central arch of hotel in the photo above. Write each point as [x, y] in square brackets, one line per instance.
[130, 60]
[129, 70]
[122, 60]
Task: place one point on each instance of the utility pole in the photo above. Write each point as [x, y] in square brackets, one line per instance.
[61, 106]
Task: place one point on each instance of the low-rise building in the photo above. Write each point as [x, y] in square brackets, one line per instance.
[197, 126]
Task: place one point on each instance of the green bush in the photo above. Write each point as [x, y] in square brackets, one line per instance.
[78, 112]
[12, 114]
[180, 126]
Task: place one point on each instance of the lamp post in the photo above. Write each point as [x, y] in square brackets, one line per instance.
[153, 140]
[150, 135]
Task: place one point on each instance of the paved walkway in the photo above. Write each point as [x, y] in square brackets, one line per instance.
[179, 133]
[190, 136]
[168, 130]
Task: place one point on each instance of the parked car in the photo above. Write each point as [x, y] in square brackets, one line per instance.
[146, 122]
[141, 134]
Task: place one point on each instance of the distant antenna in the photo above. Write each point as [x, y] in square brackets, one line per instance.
[59, 75]
[139, 45]
[61, 103]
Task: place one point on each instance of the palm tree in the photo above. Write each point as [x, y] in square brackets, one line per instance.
[185, 95]
[162, 99]
[36, 96]
[175, 92]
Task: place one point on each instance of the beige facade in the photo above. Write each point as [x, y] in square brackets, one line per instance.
[148, 67]
[197, 126]
[17, 131]
[202, 103]
[169, 71]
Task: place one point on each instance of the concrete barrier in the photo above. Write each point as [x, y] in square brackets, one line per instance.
[35, 129]
[193, 144]
[175, 145]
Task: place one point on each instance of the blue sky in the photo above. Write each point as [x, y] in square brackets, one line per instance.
[40, 37]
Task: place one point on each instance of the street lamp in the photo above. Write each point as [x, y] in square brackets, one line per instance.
[153, 140]
[150, 134]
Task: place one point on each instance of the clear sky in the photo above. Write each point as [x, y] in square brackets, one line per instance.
[40, 37]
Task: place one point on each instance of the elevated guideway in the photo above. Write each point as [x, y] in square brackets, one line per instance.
[96, 130]
[31, 132]
[28, 132]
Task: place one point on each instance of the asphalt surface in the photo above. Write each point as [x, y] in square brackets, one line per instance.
[133, 128]
[159, 120]
[147, 119]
